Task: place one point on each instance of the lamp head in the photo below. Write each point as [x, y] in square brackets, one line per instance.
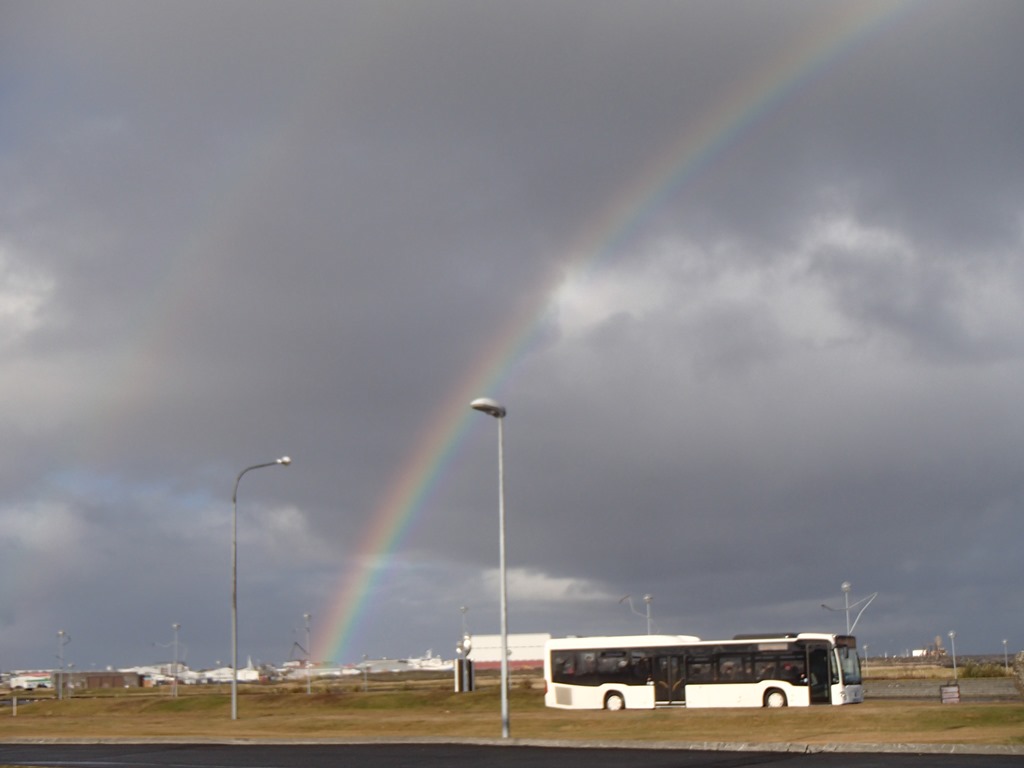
[489, 406]
[285, 460]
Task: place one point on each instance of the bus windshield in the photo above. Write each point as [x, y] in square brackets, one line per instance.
[850, 664]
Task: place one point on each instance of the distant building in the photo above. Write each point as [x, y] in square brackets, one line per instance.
[935, 650]
[426, 663]
[107, 680]
[524, 651]
[31, 679]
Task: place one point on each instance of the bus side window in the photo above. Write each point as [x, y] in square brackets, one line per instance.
[587, 663]
[611, 663]
[563, 666]
[699, 671]
[734, 668]
[764, 669]
[793, 669]
[641, 666]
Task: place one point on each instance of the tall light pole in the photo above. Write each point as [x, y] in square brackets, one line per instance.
[309, 657]
[952, 641]
[495, 409]
[283, 461]
[647, 602]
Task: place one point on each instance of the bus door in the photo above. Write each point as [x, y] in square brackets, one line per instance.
[819, 673]
[669, 682]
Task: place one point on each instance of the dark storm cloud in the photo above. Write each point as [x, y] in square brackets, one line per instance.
[231, 231]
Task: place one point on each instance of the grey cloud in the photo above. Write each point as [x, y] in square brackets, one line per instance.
[266, 229]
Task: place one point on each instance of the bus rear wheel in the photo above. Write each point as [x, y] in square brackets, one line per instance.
[775, 698]
[613, 702]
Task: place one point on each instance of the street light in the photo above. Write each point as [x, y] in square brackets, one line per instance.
[284, 461]
[648, 599]
[1006, 659]
[495, 409]
[845, 586]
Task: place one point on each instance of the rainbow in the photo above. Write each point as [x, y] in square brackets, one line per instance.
[668, 171]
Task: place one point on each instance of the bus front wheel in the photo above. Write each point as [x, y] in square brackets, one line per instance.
[613, 702]
[775, 698]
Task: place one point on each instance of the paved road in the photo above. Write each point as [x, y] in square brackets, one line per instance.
[457, 756]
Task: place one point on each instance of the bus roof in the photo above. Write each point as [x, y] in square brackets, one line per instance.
[619, 641]
[660, 641]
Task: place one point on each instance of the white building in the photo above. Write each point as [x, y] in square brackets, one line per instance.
[524, 651]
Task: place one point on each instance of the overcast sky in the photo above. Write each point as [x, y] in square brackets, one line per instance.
[747, 276]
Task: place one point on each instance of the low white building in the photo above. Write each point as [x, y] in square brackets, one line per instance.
[247, 674]
[525, 651]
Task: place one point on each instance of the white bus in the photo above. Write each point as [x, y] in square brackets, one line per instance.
[647, 671]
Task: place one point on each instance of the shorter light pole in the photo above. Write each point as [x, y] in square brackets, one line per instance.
[1006, 659]
[952, 642]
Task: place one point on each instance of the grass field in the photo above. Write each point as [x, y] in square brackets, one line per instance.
[432, 710]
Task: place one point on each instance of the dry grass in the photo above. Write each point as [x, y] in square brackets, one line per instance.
[424, 710]
[911, 669]
[895, 670]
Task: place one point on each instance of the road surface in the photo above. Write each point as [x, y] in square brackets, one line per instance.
[458, 755]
